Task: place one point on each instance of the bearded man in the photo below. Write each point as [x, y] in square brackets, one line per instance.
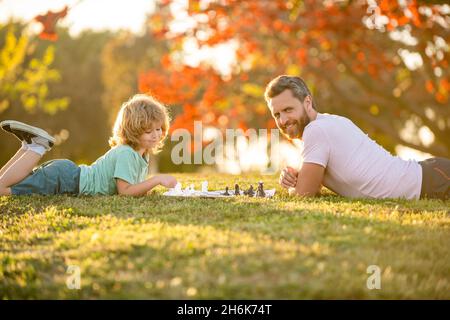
[340, 156]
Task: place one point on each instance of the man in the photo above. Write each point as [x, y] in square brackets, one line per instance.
[338, 155]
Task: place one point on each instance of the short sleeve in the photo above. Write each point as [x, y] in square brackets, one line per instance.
[126, 168]
[316, 146]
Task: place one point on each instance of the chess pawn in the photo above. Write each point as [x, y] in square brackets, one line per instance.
[205, 186]
[237, 192]
[251, 191]
[226, 193]
[177, 188]
[260, 191]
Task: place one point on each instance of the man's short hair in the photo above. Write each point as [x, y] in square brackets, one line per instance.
[297, 86]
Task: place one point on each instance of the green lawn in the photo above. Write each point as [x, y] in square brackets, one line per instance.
[281, 248]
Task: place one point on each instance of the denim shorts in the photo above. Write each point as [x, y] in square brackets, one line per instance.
[435, 178]
[52, 177]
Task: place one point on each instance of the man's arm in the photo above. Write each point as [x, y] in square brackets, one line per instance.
[309, 179]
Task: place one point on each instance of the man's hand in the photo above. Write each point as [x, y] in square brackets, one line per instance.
[288, 178]
[167, 181]
[309, 180]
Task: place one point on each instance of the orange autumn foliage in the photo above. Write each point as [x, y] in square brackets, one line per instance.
[49, 21]
[329, 43]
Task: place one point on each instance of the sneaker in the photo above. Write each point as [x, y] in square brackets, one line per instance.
[25, 132]
[41, 142]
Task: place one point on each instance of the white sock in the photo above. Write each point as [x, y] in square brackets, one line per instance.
[24, 145]
[36, 148]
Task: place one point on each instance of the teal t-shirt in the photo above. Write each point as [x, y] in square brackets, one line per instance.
[121, 162]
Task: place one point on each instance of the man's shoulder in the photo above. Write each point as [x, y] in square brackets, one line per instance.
[329, 127]
[330, 119]
[326, 121]
[322, 121]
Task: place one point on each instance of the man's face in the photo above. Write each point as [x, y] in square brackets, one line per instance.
[289, 114]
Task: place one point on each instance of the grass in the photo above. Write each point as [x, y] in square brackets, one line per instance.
[280, 248]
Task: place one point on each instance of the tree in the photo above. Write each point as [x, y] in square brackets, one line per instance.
[82, 129]
[124, 57]
[24, 76]
[383, 64]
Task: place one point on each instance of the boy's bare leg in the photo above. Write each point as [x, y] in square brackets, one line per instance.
[18, 154]
[19, 170]
[5, 191]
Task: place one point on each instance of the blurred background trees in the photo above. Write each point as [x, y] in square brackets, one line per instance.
[78, 119]
[383, 64]
[25, 75]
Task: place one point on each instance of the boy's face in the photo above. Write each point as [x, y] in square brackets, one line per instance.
[151, 137]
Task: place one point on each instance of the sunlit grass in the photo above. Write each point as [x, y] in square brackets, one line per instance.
[160, 247]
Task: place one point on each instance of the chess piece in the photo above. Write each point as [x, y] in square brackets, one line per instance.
[237, 192]
[205, 186]
[260, 191]
[226, 193]
[250, 192]
[176, 191]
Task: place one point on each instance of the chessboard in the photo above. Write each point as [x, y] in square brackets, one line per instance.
[189, 191]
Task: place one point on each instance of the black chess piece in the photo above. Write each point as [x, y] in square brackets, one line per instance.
[250, 192]
[260, 191]
[226, 193]
[237, 192]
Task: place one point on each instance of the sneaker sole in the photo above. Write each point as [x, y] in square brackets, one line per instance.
[17, 128]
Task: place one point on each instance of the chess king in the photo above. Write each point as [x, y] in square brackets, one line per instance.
[340, 156]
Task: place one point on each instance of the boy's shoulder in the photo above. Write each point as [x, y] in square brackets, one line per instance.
[121, 150]
[126, 151]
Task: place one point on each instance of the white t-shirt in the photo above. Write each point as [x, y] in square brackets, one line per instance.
[355, 165]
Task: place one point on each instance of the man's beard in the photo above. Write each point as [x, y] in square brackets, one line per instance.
[299, 127]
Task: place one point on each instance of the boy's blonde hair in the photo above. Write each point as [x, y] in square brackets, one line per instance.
[139, 114]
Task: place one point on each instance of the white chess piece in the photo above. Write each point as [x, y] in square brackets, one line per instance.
[176, 190]
[205, 186]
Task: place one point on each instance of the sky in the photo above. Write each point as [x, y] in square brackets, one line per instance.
[87, 14]
[120, 14]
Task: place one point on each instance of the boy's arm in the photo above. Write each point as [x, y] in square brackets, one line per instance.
[140, 189]
[309, 179]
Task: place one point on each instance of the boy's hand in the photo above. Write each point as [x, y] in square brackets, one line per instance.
[167, 181]
[288, 178]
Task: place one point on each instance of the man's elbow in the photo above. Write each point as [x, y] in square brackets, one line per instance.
[303, 193]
